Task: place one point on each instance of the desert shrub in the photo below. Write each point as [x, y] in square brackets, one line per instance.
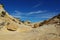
[36, 25]
[13, 20]
[19, 23]
[28, 22]
[8, 23]
[3, 14]
[40, 24]
[2, 24]
[22, 21]
[17, 19]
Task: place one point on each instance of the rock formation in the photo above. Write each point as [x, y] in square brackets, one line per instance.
[8, 22]
[53, 20]
[14, 29]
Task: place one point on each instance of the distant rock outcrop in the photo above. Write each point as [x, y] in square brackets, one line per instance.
[53, 20]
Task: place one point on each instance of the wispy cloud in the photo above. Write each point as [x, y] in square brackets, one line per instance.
[17, 14]
[36, 12]
[48, 15]
[37, 5]
[40, 14]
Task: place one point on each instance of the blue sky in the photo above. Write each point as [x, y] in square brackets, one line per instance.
[33, 10]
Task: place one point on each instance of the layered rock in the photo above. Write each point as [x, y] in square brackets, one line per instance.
[10, 23]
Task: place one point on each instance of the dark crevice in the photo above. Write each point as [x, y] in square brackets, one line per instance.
[10, 29]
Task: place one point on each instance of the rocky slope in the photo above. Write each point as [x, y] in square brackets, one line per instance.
[13, 29]
[8, 22]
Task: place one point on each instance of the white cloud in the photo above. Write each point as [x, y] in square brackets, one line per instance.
[45, 14]
[36, 12]
[17, 14]
[48, 15]
[37, 5]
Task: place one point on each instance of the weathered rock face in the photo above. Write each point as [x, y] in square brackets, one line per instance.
[53, 20]
[8, 22]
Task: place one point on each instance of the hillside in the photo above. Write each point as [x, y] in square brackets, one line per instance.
[13, 29]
